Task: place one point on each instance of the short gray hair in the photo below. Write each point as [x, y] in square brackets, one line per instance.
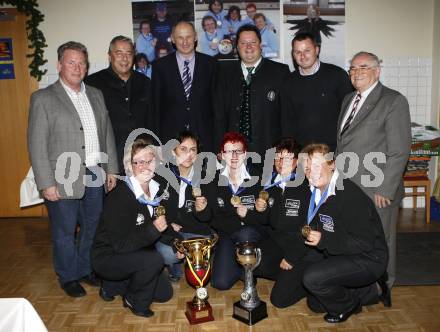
[72, 45]
[373, 57]
[121, 39]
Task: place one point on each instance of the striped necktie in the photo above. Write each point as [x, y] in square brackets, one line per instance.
[249, 75]
[186, 79]
[353, 112]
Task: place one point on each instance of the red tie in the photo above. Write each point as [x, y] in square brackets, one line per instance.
[351, 116]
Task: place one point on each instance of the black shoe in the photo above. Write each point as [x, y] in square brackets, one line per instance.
[91, 280]
[344, 316]
[106, 297]
[385, 295]
[144, 313]
[74, 289]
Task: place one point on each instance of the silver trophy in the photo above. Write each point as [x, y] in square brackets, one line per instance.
[250, 309]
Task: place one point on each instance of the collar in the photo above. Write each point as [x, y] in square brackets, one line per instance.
[255, 65]
[244, 174]
[190, 175]
[70, 91]
[331, 186]
[182, 58]
[316, 67]
[139, 192]
[365, 94]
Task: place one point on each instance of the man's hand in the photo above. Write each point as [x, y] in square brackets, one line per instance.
[176, 227]
[160, 223]
[51, 194]
[260, 205]
[285, 266]
[313, 238]
[201, 203]
[242, 211]
[111, 181]
[381, 201]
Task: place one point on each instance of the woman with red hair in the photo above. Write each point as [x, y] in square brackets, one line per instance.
[232, 197]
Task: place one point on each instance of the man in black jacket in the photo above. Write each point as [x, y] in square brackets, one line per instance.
[181, 89]
[247, 94]
[126, 92]
[312, 95]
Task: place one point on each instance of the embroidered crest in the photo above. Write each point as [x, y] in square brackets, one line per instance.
[327, 223]
[271, 95]
[189, 205]
[271, 201]
[220, 202]
[292, 203]
[165, 194]
[292, 213]
[140, 219]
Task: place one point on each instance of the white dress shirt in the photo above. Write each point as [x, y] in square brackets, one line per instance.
[153, 187]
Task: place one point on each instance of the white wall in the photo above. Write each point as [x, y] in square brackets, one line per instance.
[91, 22]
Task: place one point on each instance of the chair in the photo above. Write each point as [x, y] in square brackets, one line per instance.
[419, 181]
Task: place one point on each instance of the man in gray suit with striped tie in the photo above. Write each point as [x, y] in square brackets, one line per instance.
[375, 122]
[69, 138]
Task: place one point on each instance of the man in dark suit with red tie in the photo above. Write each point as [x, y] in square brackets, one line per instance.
[181, 89]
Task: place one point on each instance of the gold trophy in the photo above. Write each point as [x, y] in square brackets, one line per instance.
[197, 271]
[250, 309]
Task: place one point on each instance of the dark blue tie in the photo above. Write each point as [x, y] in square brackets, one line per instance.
[186, 79]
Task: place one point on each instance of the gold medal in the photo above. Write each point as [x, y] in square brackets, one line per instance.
[235, 200]
[196, 192]
[305, 231]
[264, 195]
[160, 211]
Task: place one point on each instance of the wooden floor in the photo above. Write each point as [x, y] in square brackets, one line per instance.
[26, 271]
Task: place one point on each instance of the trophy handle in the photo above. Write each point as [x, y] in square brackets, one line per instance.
[180, 247]
[258, 258]
[213, 240]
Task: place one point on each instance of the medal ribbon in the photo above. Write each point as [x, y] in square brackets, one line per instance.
[200, 281]
[211, 38]
[141, 199]
[312, 211]
[188, 182]
[287, 178]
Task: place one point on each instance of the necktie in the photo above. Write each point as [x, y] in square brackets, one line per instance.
[351, 116]
[186, 79]
[249, 76]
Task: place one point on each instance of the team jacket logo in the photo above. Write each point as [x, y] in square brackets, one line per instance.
[220, 202]
[292, 203]
[327, 223]
[271, 201]
[271, 95]
[246, 200]
[189, 205]
[140, 219]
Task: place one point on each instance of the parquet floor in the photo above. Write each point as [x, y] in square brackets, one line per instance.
[26, 271]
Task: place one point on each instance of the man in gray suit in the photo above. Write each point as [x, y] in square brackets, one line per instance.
[375, 121]
[69, 138]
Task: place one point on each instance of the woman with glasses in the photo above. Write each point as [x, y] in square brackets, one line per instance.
[187, 209]
[211, 36]
[232, 197]
[124, 253]
[344, 227]
[286, 212]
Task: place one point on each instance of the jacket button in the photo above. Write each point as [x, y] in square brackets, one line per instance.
[187, 108]
[81, 128]
[83, 147]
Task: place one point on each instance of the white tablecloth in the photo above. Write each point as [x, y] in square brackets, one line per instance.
[18, 315]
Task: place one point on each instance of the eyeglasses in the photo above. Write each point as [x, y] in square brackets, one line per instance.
[122, 55]
[361, 69]
[143, 162]
[184, 149]
[231, 152]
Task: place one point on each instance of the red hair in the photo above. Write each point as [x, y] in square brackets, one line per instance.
[251, 5]
[233, 137]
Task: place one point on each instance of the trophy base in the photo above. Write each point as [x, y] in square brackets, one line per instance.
[250, 316]
[197, 315]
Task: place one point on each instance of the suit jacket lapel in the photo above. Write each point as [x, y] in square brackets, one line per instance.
[179, 77]
[367, 106]
[344, 109]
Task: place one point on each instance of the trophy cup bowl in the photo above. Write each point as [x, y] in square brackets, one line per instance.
[250, 309]
[197, 272]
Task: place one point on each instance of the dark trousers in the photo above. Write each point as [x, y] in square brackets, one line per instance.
[225, 269]
[137, 276]
[71, 250]
[341, 282]
[288, 287]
